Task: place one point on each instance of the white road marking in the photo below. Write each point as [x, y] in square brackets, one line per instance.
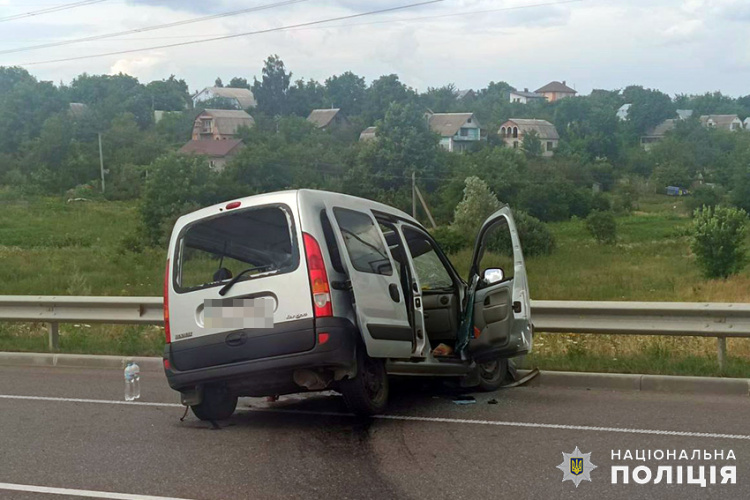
[442, 420]
[81, 493]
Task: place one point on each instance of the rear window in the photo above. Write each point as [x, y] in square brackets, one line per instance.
[257, 241]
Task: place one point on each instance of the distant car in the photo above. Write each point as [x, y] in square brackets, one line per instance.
[307, 290]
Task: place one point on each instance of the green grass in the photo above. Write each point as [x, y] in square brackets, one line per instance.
[50, 247]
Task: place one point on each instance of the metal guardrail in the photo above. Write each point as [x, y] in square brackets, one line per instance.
[720, 320]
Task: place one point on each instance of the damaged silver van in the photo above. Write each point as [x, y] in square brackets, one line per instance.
[308, 290]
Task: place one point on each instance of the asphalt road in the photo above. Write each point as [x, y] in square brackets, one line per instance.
[307, 447]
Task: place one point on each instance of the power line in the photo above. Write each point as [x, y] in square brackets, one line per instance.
[49, 10]
[237, 35]
[211, 35]
[152, 28]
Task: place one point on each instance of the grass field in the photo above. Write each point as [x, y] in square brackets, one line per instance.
[50, 247]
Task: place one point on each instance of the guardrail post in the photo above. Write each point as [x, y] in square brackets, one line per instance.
[54, 336]
[722, 346]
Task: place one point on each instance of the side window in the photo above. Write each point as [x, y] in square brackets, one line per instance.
[498, 249]
[333, 247]
[430, 269]
[363, 242]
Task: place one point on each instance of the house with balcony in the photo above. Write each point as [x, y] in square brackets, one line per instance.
[514, 130]
[240, 98]
[220, 124]
[457, 131]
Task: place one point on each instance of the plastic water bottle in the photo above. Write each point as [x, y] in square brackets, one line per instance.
[132, 382]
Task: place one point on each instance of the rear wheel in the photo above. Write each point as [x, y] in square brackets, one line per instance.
[367, 393]
[492, 374]
[217, 404]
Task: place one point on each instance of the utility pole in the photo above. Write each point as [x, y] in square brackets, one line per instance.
[414, 194]
[101, 160]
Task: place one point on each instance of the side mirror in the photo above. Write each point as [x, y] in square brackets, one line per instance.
[493, 275]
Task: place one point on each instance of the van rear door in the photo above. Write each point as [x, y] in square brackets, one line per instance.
[266, 312]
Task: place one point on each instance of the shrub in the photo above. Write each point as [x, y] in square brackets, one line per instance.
[535, 236]
[703, 196]
[602, 227]
[718, 240]
[450, 240]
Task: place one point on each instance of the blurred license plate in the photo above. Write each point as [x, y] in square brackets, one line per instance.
[238, 313]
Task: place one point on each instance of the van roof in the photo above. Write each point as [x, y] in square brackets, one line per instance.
[287, 195]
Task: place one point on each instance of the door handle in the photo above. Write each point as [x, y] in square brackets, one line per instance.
[393, 290]
[516, 307]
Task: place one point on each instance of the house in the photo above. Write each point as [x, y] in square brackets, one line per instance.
[457, 131]
[622, 112]
[327, 118]
[513, 131]
[524, 96]
[220, 124]
[723, 122]
[684, 114]
[77, 109]
[241, 98]
[218, 152]
[747, 123]
[657, 133]
[368, 134]
[556, 90]
[465, 94]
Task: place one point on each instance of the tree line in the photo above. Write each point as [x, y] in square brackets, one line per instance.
[48, 148]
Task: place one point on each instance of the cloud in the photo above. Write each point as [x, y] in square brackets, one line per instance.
[184, 5]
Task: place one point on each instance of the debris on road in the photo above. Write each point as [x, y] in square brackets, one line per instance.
[464, 400]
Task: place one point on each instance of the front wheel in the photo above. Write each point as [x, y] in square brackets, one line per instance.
[492, 374]
[217, 404]
[367, 393]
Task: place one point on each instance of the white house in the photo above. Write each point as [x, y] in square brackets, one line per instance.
[524, 96]
[240, 97]
[458, 131]
[747, 123]
[724, 122]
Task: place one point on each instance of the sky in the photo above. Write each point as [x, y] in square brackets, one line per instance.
[677, 46]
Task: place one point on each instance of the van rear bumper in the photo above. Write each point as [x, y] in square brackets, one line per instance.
[337, 352]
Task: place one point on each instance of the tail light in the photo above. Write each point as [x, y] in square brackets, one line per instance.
[167, 333]
[316, 269]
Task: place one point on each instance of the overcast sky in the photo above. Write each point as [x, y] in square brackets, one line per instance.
[678, 46]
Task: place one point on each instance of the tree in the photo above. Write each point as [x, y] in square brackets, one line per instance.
[478, 204]
[404, 144]
[384, 92]
[303, 97]
[178, 184]
[111, 95]
[169, 95]
[718, 240]
[218, 82]
[271, 90]
[649, 108]
[240, 83]
[532, 145]
[347, 92]
[440, 99]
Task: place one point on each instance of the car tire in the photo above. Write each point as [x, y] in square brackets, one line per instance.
[492, 374]
[217, 404]
[367, 393]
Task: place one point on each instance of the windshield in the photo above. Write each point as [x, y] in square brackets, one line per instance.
[254, 242]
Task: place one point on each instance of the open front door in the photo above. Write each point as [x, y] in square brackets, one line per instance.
[502, 313]
[380, 304]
